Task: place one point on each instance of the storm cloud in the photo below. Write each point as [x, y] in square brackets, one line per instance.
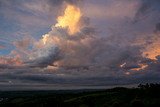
[116, 47]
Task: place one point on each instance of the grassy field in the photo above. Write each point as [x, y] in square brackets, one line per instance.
[145, 96]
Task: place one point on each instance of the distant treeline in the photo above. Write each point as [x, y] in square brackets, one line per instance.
[149, 86]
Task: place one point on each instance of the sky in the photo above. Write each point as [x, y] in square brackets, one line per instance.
[61, 44]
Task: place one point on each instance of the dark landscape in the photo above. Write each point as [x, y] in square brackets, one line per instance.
[147, 95]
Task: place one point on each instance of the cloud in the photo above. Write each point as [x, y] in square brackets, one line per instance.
[157, 28]
[44, 56]
[10, 61]
[125, 53]
[2, 47]
[146, 8]
[60, 2]
[111, 10]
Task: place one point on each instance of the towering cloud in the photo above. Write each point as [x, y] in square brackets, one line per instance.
[71, 18]
[69, 42]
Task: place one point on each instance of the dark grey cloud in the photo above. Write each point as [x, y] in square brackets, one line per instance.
[157, 28]
[20, 77]
[46, 57]
[146, 9]
[60, 2]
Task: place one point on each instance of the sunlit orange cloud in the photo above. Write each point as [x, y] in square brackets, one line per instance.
[10, 61]
[70, 19]
[151, 47]
[14, 59]
[141, 67]
[152, 51]
[135, 70]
